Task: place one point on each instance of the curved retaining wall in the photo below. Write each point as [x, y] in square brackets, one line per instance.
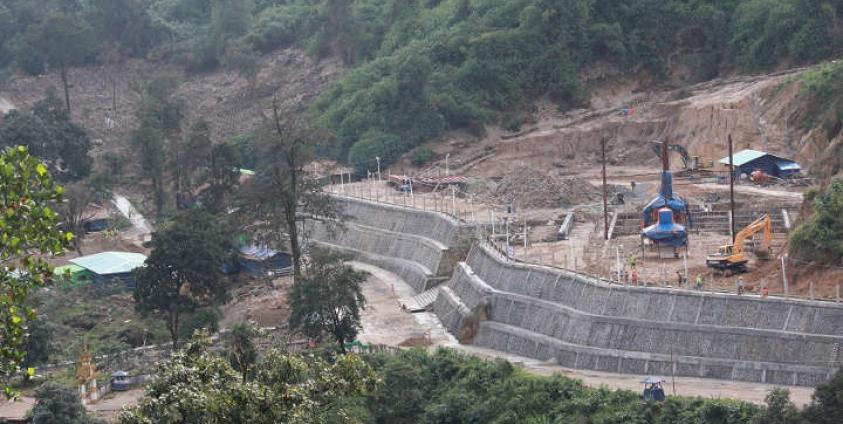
[425, 252]
[421, 247]
[399, 219]
[520, 321]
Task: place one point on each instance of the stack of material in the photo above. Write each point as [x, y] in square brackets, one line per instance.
[530, 188]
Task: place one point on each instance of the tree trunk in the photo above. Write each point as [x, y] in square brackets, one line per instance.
[295, 247]
[114, 95]
[63, 74]
[174, 329]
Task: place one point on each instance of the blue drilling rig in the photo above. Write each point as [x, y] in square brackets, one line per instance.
[663, 219]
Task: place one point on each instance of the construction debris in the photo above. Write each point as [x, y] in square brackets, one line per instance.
[529, 188]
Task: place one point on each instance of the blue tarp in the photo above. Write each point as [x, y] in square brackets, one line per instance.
[261, 260]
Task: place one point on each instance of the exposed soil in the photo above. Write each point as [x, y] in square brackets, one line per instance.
[262, 301]
[531, 188]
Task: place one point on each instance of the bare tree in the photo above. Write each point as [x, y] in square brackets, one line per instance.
[284, 195]
[75, 210]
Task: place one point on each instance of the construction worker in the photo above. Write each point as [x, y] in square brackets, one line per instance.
[634, 277]
[765, 291]
[679, 279]
[739, 285]
[632, 261]
[699, 282]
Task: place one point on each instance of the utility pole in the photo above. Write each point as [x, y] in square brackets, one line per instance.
[732, 187]
[784, 275]
[447, 156]
[605, 194]
[378, 158]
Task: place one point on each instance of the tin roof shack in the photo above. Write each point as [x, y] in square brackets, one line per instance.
[112, 266]
[261, 260]
[747, 161]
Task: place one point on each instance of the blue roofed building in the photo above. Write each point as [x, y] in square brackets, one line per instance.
[747, 161]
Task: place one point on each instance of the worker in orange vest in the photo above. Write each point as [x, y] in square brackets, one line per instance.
[634, 276]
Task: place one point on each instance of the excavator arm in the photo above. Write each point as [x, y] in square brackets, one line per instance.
[656, 146]
[765, 223]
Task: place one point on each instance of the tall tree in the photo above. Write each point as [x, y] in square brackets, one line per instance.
[30, 236]
[50, 135]
[160, 118]
[74, 211]
[64, 41]
[284, 195]
[328, 299]
[184, 268]
[223, 176]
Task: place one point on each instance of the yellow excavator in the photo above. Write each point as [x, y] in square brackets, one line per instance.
[732, 257]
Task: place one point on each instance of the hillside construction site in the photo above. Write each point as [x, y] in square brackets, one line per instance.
[571, 270]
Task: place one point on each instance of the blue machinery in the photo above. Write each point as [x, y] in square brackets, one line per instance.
[662, 218]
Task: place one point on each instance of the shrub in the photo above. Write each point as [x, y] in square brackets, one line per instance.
[821, 237]
[207, 318]
[421, 155]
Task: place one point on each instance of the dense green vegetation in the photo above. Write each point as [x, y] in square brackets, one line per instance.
[414, 386]
[421, 67]
[821, 237]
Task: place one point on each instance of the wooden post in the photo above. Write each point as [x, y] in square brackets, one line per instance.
[784, 275]
[811, 288]
[605, 192]
[732, 187]
[838, 293]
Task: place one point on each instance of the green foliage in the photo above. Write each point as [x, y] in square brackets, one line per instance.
[421, 155]
[283, 26]
[764, 31]
[820, 238]
[240, 345]
[196, 386]
[29, 228]
[49, 134]
[328, 299]
[206, 319]
[448, 386]
[827, 402]
[59, 404]
[184, 268]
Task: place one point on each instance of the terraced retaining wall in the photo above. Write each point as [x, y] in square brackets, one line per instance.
[421, 247]
[586, 323]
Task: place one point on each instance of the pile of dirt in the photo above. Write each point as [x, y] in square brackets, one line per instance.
[528, 187]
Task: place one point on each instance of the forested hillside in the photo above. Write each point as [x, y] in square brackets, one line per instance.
[422, 67]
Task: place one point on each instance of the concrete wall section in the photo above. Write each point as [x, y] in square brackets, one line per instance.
[597, 297]
[414, 274]
[571, 326]
[425, 252]
[533, 345]
[398, 219]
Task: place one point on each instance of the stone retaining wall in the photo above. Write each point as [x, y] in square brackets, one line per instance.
[585, 323]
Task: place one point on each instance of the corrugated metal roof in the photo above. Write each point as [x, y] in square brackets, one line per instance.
[787, 165]
[746, 156]
[743, 157]
[109, 263]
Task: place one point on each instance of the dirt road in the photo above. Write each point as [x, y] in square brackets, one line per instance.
[384, 322]
[754, 190]
[5, 105]
[141, 228]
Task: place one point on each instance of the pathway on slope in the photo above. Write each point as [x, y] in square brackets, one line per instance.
[5, 105]
[384, 322]
[141, 228]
